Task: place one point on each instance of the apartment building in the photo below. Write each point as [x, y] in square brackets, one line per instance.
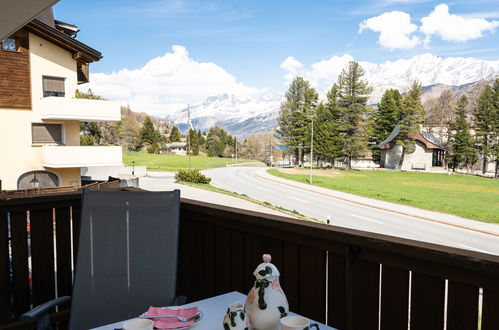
[41, 66]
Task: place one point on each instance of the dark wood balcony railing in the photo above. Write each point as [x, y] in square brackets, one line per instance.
[347, 278]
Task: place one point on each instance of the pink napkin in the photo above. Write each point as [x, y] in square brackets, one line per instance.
[171, 322]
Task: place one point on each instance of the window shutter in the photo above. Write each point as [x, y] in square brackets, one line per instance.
[53, 84]
[47, 133]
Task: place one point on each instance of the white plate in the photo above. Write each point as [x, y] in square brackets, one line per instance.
[196, 321]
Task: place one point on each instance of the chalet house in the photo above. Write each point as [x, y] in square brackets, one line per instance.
[41, 66]
[428, 156]
[177, 148]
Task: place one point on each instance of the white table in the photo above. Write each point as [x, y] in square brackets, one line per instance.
[213, 309]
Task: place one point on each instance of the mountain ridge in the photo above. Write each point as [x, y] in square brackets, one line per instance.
[244, 115]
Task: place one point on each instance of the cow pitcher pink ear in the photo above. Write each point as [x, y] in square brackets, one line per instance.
[267, 258]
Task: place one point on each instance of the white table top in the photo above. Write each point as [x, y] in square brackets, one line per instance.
[213, 309]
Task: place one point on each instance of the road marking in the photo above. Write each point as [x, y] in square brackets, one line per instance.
[381, 208]
[298, 199]
[364, 218]
[475, 249]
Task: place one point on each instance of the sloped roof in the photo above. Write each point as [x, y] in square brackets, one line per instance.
[177, 144]
[14, 14]
[389, 141]
[81, 52]
[395, 132]
[427, 143]
[432, 138]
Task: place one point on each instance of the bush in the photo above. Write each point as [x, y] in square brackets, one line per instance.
[153, 149]
[192, 176]
[87, 140]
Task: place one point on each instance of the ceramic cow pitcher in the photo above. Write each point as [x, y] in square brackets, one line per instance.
[266, 302]
[236, 318]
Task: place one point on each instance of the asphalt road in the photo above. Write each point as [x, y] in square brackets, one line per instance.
[246, 180]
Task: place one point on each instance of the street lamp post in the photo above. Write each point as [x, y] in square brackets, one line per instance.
[311, 150]
[133, 167]
[189, 134]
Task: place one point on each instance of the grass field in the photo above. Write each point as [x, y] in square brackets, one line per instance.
[172, 163]
[466, 196]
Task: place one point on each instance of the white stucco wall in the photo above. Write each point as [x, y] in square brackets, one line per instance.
[17, 153]
[364, 163]
[104, 172]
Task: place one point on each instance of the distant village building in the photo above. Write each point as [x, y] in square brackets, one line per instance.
[428, 156]
[177, 148]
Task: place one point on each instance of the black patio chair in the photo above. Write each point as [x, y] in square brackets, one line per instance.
[127, 258]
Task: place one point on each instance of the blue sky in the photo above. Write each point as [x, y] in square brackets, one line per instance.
[251, 39]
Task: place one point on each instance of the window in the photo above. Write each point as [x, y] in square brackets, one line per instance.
[53, 86]
[9, 44]
[46, 133]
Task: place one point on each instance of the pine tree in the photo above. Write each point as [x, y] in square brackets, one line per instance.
[201, 139]
[217, 141]
[353, 92]
[484, 122]
[294, 119]
[193, 142]
[327, 140]
[148, 133]
[495, 130]
[175, 134]
[461, 141]
[384, 119]
[412, 115]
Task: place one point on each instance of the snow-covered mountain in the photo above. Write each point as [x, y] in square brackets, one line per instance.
[429, 70]
[237, 114]
[243, 116]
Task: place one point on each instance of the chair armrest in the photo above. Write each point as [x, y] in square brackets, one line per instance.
[179, 300]
[43, 308]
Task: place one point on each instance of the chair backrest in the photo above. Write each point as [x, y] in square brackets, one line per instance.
[127, 255]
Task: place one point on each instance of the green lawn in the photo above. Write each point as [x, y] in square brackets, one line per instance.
[173, 163]
[466, 196]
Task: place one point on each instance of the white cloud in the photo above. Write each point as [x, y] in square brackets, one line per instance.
[323, 72]
[395, 30]
[455, 28]
[168, 83]
[326, 71]
[291, 64]
[292, 67]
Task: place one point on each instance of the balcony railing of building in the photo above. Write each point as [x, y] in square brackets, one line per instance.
[65, 108]
[346, 278]
[81, 156]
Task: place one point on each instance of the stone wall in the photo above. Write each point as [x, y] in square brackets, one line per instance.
[421, 156]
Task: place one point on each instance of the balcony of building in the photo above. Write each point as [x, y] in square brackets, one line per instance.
[345, 278]
[81, 156]
[62, 108]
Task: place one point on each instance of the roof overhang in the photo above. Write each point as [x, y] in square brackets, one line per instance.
[14, 14]
[428, 144]
[81, 52]
[418, 137]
